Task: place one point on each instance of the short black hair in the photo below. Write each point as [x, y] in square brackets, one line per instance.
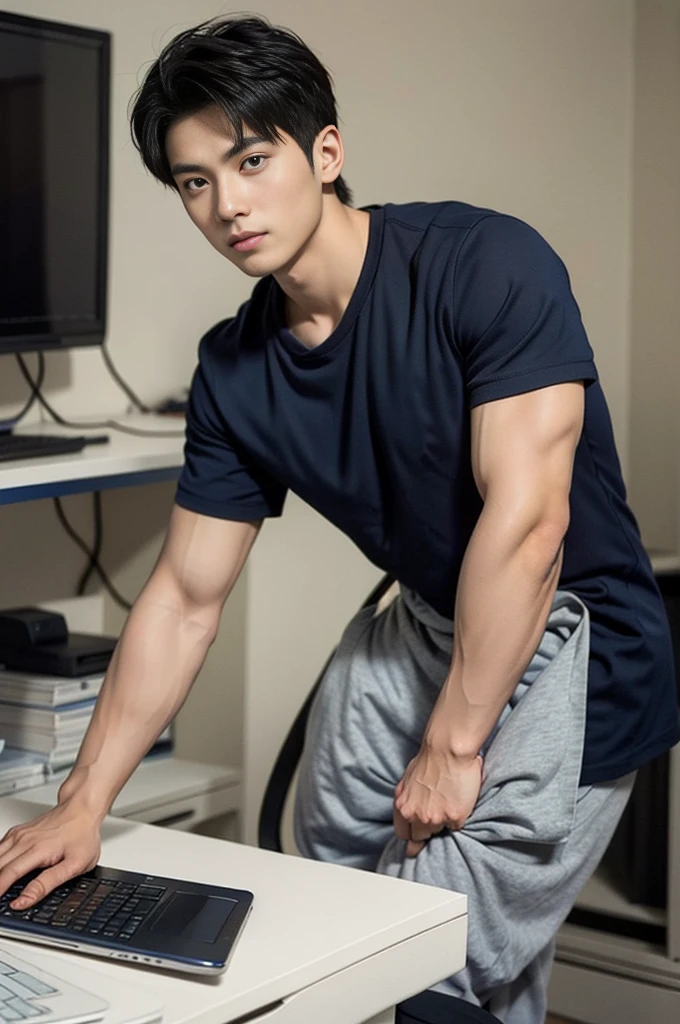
[261, 77]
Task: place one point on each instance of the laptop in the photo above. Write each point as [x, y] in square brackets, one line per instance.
[44, 990]
[160, 922]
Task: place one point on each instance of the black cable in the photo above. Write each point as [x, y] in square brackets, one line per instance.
[96, 544]
[124, 428]
[9, 424]
[35, 388]
[92, 557]
[123, 384]
[101, 425]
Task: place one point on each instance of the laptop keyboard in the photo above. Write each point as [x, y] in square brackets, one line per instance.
[103, 907]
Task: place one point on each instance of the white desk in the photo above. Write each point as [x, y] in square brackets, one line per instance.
[125, 460]
[323, 945]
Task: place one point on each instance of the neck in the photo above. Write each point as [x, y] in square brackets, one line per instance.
[319, 283]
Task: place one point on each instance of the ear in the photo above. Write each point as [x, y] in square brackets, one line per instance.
[329, 154]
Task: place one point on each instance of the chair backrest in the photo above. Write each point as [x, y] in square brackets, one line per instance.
[285, 766]
[439, 1008]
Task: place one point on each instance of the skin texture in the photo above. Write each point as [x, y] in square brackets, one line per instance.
[522, 451]
[313, 245]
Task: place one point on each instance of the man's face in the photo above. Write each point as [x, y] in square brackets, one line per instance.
[265, 191]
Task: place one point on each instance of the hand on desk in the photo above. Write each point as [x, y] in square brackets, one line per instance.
[64, 841]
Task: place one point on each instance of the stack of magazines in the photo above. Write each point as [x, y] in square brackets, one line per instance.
[45, 716]
[19, 770]
[43, 720]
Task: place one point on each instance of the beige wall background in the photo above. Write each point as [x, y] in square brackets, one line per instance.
[654, 431]
[557, 111]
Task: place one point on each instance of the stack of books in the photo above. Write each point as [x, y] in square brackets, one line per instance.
[43, 720]
[19, 770]
[46, 715]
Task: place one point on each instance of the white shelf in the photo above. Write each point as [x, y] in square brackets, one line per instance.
[665, 561]
[164, 791]
[599, 976]
[124, 460]
[601, 895]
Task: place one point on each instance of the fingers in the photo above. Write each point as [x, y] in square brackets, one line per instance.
[420, 834]
[402, 827]
[412, 826]
[43, 884]
[20, 855]
[21, 865]
[405, 830]
[10, 842]
[420, 824]
[53, 859]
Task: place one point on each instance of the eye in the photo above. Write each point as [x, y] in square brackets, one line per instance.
[194, 184]
[254, 163]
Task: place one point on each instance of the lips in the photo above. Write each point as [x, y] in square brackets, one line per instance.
[246, 241]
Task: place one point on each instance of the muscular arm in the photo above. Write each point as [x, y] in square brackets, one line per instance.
[522, 454]
[161, 649]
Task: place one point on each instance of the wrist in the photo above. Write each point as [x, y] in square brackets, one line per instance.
[463, 750]
[453, 728]
[79, 793]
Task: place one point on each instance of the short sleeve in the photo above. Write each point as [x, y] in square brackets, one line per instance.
[218, 479]
[518, 327]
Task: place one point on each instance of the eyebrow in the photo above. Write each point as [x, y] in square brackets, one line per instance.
[239, 147]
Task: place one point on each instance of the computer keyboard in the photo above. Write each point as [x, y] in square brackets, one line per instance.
[28, 993]
[36, 446]
[106, 907]
[18, 991]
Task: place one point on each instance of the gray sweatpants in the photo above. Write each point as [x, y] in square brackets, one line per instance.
[534, 836]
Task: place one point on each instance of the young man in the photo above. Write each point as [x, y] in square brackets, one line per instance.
[421, 376]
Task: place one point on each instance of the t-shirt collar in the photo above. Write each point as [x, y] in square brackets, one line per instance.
[354, 306]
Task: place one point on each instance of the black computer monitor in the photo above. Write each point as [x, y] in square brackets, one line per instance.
[54, 131]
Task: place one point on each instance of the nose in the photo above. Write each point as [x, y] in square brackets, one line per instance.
[231, 201]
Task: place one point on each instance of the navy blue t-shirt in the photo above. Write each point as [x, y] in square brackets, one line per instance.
[455, 306]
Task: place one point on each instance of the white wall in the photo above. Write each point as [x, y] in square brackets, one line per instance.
[521, 105]
[654, 466]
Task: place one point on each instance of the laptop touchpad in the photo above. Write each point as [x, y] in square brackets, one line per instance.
[194, 917]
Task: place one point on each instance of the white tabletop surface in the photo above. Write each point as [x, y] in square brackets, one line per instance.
[319, 934]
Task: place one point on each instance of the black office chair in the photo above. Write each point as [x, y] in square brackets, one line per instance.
[427, 1007]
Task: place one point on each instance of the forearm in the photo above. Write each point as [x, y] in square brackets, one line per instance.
[505, 592]
[161, 650]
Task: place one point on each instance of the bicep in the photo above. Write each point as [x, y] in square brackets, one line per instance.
[523, 451]
[202, 557]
